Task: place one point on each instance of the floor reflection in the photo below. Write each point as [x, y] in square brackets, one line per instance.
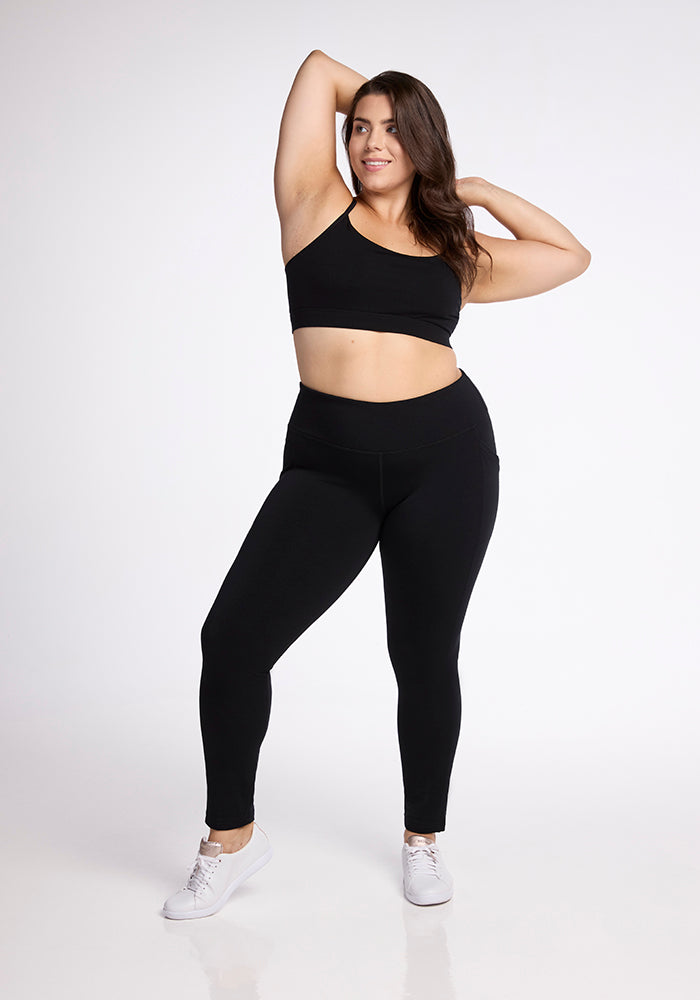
[428, 970]
[231, 955]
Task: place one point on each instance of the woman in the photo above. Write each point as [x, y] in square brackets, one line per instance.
[389, 442]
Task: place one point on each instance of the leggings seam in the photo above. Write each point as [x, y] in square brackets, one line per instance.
[381, 482]
[383, 451]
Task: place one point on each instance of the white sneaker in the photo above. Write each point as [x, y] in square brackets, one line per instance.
[215, 875]
[425, 878]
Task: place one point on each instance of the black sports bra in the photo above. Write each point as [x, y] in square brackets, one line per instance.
[343, 279]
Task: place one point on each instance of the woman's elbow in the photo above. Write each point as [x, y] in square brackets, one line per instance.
[584, 259]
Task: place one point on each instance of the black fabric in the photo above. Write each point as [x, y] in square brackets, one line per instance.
[417, 476]
[342, 279]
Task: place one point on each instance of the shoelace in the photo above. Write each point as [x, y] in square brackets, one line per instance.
[202, 871]
[422, 860]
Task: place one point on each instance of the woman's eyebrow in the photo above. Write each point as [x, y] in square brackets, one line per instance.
[386, 121]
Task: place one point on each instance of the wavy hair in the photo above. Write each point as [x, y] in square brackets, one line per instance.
[437, 217]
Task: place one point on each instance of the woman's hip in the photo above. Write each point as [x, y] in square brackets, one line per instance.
[396, 425]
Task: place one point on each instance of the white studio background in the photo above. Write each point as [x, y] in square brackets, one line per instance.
[149, 371]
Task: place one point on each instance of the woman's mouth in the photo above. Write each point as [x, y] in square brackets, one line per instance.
[374, 165]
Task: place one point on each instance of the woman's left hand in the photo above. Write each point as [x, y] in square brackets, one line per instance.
[471, 190]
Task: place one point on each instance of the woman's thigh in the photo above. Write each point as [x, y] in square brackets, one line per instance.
[313, 534]
[441, 503]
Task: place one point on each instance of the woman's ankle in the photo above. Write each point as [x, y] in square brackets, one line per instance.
[411, 833]
[232, 840]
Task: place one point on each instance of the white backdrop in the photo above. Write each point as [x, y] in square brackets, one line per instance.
[149, 371]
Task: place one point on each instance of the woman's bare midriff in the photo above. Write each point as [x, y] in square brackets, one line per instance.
[372, 365]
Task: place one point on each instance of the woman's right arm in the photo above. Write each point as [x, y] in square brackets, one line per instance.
[305, 165]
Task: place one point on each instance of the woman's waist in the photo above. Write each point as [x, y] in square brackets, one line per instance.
[395, 425]
[372, 365]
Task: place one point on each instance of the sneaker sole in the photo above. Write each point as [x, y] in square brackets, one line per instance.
[427, 902]
[215, 907]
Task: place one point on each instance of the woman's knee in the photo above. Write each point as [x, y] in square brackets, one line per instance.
[234, 645]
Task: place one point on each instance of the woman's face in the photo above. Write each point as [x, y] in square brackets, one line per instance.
[375, 138]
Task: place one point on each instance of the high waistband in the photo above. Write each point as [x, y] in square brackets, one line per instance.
[367, 425]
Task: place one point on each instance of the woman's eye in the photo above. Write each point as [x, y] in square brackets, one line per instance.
[393, 128]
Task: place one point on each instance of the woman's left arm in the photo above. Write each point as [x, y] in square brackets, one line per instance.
[543, 255]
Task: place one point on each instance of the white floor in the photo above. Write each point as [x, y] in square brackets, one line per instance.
[574, 879]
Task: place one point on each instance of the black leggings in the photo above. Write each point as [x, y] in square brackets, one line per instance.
[419, 476]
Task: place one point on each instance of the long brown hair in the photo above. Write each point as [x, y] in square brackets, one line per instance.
[438, 218]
